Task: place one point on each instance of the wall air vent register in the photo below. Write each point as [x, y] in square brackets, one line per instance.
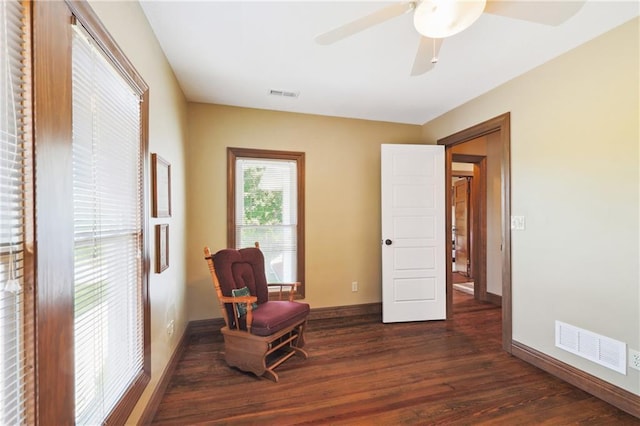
[602, 350]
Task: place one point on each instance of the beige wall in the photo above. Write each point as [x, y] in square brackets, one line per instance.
[342, 196]
[167, 137]
[461, 167]
[575, 177]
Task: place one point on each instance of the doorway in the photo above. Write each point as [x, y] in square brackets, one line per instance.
[462, 224]
[461, 229]
[498, 130]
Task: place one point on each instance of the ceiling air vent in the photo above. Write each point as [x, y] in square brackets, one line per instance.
[283, 93]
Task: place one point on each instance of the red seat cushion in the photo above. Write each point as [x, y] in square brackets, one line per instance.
[275, 315]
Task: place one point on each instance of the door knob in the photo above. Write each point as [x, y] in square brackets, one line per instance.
[388, 242]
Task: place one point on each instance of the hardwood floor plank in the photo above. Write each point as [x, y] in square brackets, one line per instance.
[361, 371]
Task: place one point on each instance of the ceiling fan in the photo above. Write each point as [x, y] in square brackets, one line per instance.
[437, 19]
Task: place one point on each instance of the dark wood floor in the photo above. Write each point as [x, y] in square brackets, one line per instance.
[458, 278]
[361, 371]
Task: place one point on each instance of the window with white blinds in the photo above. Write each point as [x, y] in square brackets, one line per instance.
[16, 316]
[267, 211]
[108, 239]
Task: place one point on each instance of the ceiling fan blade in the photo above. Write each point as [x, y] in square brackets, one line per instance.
[428, 50]
[548, 13]
[363, 23]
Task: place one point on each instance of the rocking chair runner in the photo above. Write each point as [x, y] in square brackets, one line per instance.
[256, 339]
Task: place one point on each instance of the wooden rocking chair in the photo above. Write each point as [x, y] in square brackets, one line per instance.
[259, 334]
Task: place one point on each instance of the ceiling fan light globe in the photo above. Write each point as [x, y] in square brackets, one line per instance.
[444, 18]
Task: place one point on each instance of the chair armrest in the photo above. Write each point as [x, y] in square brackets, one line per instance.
[239, 299]
[292, 289]
[248, 301]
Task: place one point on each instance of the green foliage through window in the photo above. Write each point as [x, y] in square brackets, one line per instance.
[261, 206]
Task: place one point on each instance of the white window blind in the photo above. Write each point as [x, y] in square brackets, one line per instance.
[16, 320]
[266, 212]
[107, 196]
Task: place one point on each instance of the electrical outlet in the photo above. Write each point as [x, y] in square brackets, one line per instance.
[634, 359]
[354, 286]
[170, 328]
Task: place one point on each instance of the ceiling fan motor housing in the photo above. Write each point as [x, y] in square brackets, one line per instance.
[444, 18]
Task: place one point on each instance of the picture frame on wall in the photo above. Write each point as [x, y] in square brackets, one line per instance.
[161, 186]
[162, 247]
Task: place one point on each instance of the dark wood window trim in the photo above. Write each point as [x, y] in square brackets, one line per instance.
[298, 157]
[53, 207]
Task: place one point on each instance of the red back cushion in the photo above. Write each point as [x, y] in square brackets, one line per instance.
[242, 268]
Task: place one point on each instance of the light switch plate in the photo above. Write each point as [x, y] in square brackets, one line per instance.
[517, 223]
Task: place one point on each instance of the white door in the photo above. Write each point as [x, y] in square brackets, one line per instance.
[413, 233]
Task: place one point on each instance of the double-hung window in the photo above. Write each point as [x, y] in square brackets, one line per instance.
[16, 310]
[74, 332]
[266, 205]
[109, 270]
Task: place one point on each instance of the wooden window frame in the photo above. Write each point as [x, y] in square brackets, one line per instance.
[232, 155]
[54, 207]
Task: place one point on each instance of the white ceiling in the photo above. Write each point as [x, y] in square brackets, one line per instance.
[234, 52]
